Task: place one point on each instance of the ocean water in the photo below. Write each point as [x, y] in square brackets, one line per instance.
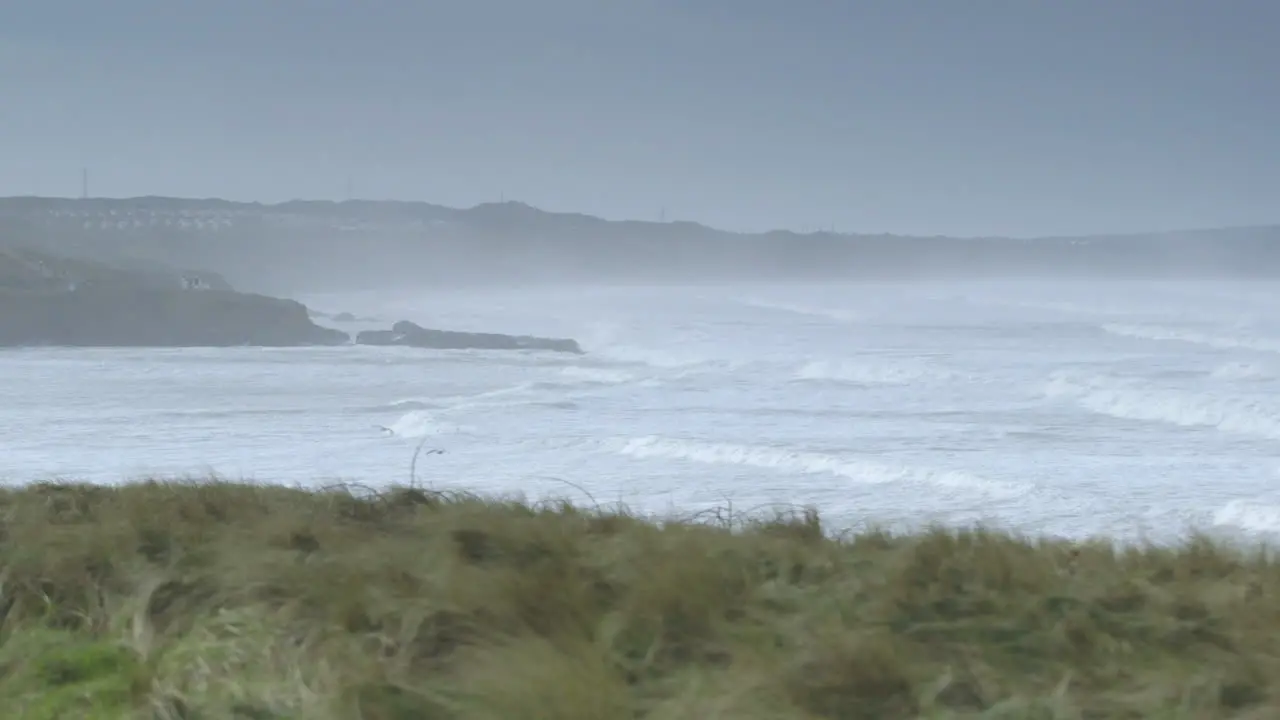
[1135, 410]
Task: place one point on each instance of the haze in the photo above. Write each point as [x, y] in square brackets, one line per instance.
[975, 118]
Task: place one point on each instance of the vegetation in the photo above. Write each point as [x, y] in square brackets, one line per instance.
[220, 600]
[30, 271]
[47, 300]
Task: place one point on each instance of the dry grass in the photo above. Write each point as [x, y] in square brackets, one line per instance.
[219, 600]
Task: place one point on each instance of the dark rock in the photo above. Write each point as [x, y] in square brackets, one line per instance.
[407, 334]
[144, 317]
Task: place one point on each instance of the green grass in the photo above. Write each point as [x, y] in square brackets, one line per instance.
[218, 600]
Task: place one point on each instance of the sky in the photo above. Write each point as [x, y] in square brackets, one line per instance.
[933, 117]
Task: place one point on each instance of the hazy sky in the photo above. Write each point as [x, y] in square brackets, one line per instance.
[1017, 117]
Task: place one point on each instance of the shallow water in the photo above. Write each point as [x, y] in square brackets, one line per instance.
[1136, 410]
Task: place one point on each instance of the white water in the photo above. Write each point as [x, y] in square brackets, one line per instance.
[1135, 410]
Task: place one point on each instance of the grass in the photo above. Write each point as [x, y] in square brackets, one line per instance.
[200, 600]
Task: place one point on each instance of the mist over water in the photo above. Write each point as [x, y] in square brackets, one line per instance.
[1067, 408]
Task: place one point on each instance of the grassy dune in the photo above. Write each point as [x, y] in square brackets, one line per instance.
[217, 600]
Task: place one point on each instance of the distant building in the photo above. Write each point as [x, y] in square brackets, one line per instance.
[194, 282]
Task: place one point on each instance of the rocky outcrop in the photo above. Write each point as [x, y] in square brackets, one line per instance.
[49, 301]
[144, 317]
[407, 334]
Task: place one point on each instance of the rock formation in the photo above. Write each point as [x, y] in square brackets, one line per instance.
[407, 334]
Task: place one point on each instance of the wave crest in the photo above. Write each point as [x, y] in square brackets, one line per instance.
[1241, 371]
[784, 460]
[862, 373]
[1169, 334]
[1130, 401]
[823, 313]
[1248, 516]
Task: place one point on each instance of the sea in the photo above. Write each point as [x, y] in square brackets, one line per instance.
[1139, 411]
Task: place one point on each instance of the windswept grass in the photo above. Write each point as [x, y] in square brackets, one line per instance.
[219, 600]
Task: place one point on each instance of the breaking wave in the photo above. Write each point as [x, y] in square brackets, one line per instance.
[1131, 401]
[833, 314]
[420, 423]
[1241, 371]
[1249, 516]
[1218, 342]
[863, 373]
[783, 460]
[596, 376]
[659, 359]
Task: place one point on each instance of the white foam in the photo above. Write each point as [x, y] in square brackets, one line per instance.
[870, 373]
[1131, 401]
[1219, 342]
[661, 359]
[514, 397]
[792, 461]
[460, 402]
[835, 314]
[596, 376]
[507, 391]
[413, 404]
[1248, 516]
[1241, 371]
[599, 333]
[1067, 308]
[418, 423]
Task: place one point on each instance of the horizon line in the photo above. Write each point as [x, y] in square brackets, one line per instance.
[259, 203]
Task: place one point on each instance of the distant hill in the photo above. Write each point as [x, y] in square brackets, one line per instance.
[316, 245]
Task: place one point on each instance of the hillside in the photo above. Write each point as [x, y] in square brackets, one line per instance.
[313, 246]
[49, 300]
[22, 268]
[217, 600]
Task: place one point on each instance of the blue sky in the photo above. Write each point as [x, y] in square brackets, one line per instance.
[930, 116]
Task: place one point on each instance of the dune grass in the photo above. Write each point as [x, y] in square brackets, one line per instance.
[223, 600]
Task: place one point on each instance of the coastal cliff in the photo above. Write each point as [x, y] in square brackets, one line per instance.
[51, 301]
